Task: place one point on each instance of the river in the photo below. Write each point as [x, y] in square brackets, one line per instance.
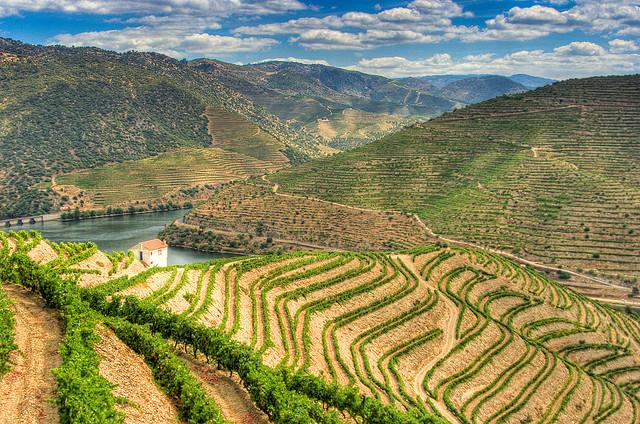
[120, 233]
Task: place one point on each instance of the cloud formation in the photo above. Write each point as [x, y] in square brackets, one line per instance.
[576, 59]
[297, 60]
[421, 21]
[431, 21]
[175, 43]
[193, 28]
[182, 7]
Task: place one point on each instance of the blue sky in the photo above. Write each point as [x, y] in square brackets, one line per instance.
[552, 38]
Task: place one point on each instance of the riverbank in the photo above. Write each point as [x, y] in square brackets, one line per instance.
[94, 214]
[119, 233]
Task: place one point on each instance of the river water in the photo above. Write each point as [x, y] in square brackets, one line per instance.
[120, 233]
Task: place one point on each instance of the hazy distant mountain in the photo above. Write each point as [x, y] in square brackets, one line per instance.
[530, 81]
[344, 108]
[305, 93]
[440, 81]
[476, 87]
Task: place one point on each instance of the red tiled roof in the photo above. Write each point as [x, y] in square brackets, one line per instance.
[153, 244]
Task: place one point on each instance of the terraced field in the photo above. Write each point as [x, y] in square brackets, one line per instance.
[240, 150]
[348, 128]
[551, 175]
[231, 131]
[161, 176]
[434, 330]
[87, 351]
[253, 208]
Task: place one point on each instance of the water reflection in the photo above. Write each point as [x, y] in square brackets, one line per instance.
[120, 233]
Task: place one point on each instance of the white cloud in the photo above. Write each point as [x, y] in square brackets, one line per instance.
[593, 16]
[178, 28]
[577, 59]
[580, 48]
[327, 39]
[621, 46]
[297, 60]
[432, 20]
[175, 43]
[183, 7]
[421, 21]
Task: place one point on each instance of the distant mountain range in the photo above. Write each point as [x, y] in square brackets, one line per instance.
[440, 81]
[471, 89]
[304, 94]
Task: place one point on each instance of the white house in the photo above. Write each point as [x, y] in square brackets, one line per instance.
[152, 252]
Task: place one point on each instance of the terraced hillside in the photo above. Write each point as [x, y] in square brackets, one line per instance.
[451, 331]
[66, 109]
[231, 131]
[163, 178]
[254, 210]
[550, 175]
[241, 150]
[84, 347]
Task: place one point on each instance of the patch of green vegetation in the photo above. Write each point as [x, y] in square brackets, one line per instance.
[65, 109]
[7, 332]
[526, 172]
[153, 178]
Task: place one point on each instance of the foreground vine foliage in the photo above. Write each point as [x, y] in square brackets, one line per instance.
[420, 336]
[84, 396]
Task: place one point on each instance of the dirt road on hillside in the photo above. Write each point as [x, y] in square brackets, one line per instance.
[25, 392]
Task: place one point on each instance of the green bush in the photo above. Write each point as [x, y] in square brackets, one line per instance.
[7, 332]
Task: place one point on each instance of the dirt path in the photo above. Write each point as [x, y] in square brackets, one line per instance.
[134, 382]
[25, 392]
[228, 393]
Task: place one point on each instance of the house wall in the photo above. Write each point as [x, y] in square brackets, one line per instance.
[153, 257]
[159, 257]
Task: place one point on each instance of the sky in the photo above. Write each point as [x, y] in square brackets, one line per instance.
[550, 38]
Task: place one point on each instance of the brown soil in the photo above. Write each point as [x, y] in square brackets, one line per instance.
[179, 303]
[214, 313]
[148, 286]
[99, 261]
[27, 390]
[273, 355]
[42, 253]
[134, 382]
[233, 399]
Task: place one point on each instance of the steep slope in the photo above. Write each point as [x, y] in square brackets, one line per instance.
[251, 218]
[551, 175]
[64, 109]
[25, 392]
[453, 331]
[104, 343]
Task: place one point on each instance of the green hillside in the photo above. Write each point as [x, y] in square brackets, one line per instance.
[306, 95]
[551, 175]
[64, 109]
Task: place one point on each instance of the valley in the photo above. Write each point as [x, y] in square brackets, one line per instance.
[285, 241]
